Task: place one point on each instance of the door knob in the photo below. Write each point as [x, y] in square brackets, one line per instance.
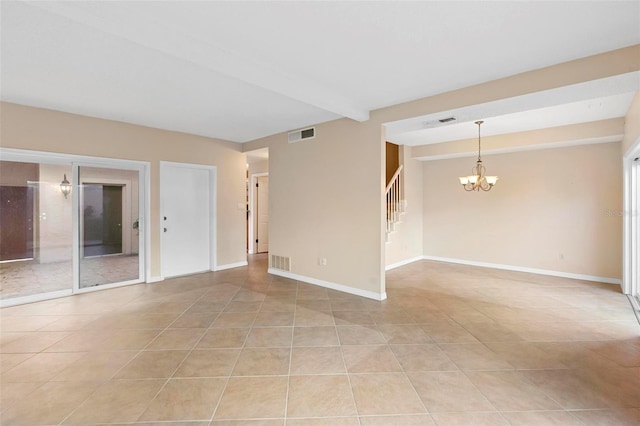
[165, 229]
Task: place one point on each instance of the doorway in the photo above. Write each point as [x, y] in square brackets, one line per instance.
[187, 197]
[17, 203]
[258, 217]
[102, 218]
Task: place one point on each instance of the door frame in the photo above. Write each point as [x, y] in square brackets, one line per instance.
[253, 224]
[213, 193]
[631, 224]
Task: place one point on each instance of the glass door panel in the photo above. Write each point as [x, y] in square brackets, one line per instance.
[108, 226]
[36, 233]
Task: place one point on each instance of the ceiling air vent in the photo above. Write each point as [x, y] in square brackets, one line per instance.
[431, 124]
[301, 135]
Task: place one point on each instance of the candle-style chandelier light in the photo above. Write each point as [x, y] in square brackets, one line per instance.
[477, 180]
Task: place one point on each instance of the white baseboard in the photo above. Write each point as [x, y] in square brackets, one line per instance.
[154, 279]
[402, 263]
[327, 284]
[584, 277]
[230, 265]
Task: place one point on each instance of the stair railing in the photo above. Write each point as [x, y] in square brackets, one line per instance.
[395, 199]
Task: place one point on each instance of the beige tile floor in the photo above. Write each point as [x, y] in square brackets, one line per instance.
[20, 279]
[452, 345]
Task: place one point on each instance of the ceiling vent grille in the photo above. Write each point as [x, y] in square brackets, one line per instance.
[438, 122]
[302, 135]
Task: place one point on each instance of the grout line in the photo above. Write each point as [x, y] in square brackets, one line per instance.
[293, 328]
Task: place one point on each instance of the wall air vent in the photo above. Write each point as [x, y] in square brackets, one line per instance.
[301, 135]
[281, 263]
[446, 120]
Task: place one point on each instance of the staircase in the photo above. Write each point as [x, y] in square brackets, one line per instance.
[396, 204]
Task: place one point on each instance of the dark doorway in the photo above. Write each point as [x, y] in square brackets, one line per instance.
[102, 212]
[16, 223]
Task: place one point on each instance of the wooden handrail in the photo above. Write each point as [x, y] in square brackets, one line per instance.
[393, 179]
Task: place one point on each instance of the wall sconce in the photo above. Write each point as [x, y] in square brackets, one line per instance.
[65, 186]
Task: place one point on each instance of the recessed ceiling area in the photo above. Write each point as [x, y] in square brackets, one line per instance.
[581, 103]
[244, 70]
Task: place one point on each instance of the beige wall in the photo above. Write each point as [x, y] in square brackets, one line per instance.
[259, 167]
[551, 209]
[322, 203]
[405, 242]
[52, 131]
[631, 124]
[55, 223]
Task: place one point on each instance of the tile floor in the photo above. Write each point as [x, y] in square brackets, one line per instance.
[20, 279]
[452, 345]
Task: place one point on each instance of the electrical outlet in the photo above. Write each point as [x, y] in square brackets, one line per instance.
[322, 261]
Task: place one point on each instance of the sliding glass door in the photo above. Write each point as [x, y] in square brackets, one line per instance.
[69, 224]
[109, 226]
[36, 238]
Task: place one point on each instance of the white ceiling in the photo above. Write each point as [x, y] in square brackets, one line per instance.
[244, 70]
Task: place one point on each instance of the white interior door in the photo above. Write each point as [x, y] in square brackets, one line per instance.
[185, 193]
[263, 214]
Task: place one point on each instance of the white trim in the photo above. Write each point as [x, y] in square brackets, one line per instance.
[151, 279]
[553, 145]
[231, 265]
[145, 222]
[327, 284]
[402, 263]
[253, 179]
[99, 287]
[26, 155]
[525, 269]
[34, 298]
[635, 302]
[213, 222]
[631, 221]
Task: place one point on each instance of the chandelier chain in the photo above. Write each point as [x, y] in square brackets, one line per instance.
[479, 123]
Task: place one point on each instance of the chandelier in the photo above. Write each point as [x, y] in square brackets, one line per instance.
[477, 179]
